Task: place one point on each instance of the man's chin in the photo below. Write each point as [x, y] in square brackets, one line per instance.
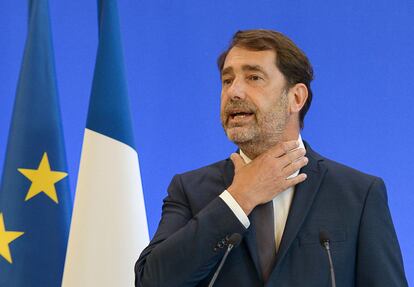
[239, 135]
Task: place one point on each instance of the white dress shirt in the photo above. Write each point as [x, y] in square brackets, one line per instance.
[281, 204]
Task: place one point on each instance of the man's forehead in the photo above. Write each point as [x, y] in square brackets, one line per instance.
[245, 67]
[241, 58]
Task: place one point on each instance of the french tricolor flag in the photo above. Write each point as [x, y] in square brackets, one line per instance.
[109, 226]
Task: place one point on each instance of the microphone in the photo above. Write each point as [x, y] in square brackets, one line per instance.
[232, 242]
[324, 240]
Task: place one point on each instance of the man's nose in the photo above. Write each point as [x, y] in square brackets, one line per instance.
[237, 89]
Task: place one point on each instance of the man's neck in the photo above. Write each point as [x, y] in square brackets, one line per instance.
[251, 152]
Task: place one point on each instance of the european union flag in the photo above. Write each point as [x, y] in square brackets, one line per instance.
[35, 202]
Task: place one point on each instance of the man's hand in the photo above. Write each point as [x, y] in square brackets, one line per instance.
[267, 175]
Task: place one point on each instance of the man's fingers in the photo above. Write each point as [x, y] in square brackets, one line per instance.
[296, 180]
[292, 156]
[237, 161]
[294, 166]
[283, 147]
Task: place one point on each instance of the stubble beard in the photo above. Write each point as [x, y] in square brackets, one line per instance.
[264, 132]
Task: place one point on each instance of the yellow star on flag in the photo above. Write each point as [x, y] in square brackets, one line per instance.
[5, 238]
[43, 179]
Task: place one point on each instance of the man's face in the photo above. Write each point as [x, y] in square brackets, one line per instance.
[254, 101]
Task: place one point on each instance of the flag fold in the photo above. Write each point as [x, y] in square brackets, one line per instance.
[35, 200]
[109, 226]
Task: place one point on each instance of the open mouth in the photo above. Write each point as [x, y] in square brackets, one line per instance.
[240, 115]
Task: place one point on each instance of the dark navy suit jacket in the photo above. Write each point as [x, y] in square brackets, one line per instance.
[351, 206]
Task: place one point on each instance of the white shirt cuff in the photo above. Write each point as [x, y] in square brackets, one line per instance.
[235, 207]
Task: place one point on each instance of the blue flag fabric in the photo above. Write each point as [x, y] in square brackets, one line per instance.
[35, 201]
[109, 112]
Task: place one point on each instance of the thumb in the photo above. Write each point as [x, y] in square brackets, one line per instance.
[237, 161]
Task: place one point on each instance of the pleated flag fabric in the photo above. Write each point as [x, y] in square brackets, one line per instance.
[35, 200]
[109, 226]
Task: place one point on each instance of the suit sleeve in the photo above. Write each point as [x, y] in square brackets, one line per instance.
[185, 247]
[379, 260]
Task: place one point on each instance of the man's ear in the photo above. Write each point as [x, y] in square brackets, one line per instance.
[298, 94]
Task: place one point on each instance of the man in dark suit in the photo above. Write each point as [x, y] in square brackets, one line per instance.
[277, 193]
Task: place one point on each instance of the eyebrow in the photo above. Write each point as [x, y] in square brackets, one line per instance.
[254, 68]
[228, 70]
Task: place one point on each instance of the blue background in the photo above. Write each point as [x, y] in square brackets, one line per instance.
[362, 113]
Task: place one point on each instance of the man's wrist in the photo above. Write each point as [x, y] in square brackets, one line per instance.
[235, 207]
[244, 204]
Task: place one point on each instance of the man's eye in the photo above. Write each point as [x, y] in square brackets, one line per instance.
[254, 78]
[226, 81]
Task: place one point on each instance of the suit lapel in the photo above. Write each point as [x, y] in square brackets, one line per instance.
[302, 201]
[249, 238]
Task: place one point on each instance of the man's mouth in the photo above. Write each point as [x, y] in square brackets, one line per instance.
[240, 115]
